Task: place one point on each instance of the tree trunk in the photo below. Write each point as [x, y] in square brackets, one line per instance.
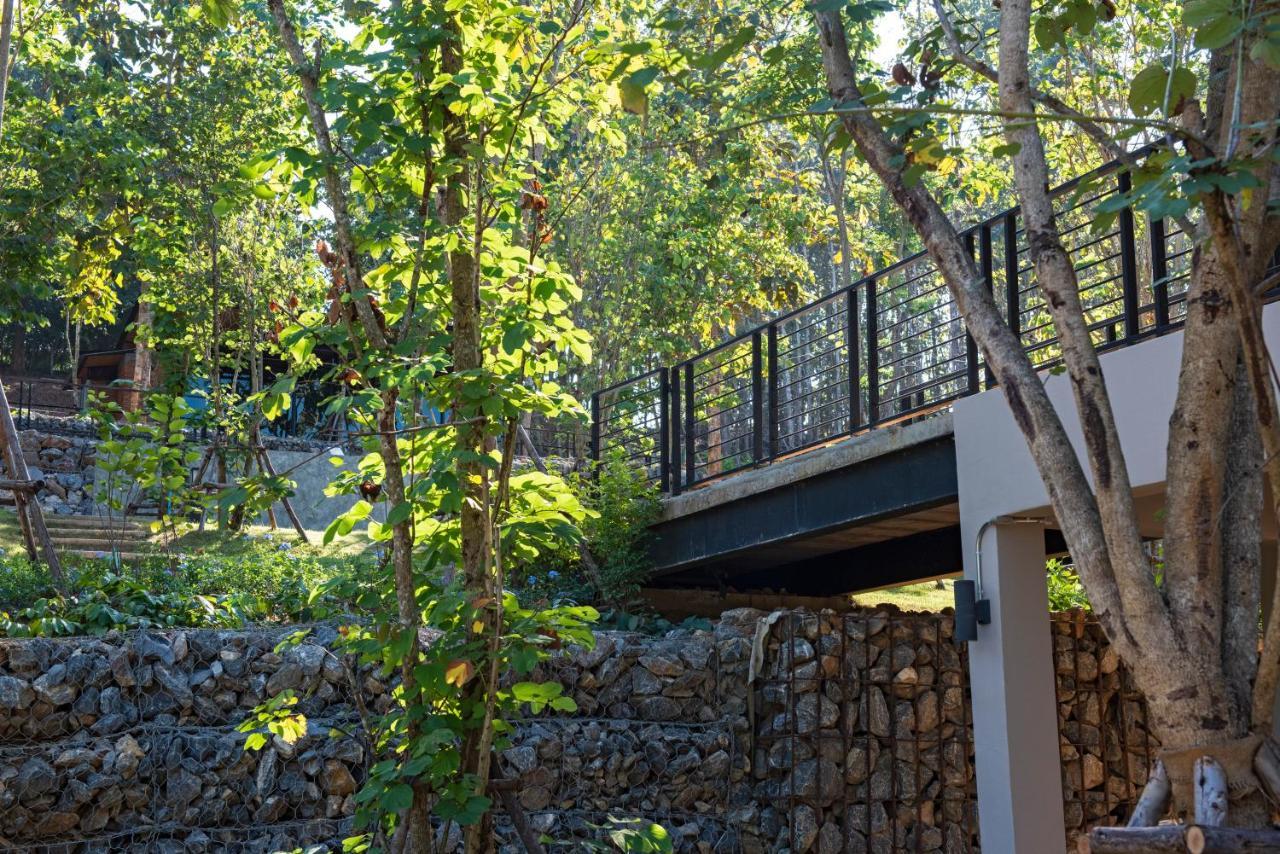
[6, 37]
[417, 820]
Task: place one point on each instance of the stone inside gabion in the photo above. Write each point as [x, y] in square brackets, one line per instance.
[854, 735]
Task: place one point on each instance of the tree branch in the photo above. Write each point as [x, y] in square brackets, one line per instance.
[1068, 489]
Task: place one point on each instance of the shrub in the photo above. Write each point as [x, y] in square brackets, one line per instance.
[624, 505]
[1065, 590]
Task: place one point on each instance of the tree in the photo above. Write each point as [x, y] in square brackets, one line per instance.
[428, 134]
[1193, 644]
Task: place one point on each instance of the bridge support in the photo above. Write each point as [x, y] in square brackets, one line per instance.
[1015, 714]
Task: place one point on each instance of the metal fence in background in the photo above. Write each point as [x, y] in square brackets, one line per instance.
[892, 346]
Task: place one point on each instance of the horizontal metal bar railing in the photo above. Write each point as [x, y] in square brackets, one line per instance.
[892, 345]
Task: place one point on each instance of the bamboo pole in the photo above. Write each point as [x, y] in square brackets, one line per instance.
[30, 516]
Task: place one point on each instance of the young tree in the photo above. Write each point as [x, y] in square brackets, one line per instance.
[429, 129]
[1192, 645]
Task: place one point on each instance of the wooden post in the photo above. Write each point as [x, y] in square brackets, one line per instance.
[30, 516]
[265, 462]
[1154, 802]
[1210, 792]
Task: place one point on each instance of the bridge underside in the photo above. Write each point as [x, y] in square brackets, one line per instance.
[874, 510]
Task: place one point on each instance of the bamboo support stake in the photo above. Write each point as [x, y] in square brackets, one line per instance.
[264, 460]
[30, 516]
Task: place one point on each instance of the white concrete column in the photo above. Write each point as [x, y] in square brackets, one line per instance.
[1015, 715]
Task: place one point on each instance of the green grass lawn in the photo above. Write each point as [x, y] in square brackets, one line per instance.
[911, 597]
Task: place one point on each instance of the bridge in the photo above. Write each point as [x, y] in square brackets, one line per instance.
[817, 452]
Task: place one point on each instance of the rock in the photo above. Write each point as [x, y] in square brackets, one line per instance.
[829, 840]
[814, 712]
[75, 756]
[181, 788]
[121, 670]
[175, 684]
[15, 693]
[337, 779]
[34, 778]
[522, 759]
[804, 828]
[52, 687]
[877, 711]
[816, 780]
[662, 665]
[149, 648]
[535, 798]
[179, 646]
[289, 676]
[56, 823]
[268, 769]
[309, 657]
[927, 716]
[127, 756]
[658, 709]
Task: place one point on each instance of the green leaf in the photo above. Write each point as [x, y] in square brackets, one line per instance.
[634, 100]
[1219, 32]
[1147, 90]
[514, 337]
[722, 54]
[1200, 12]
[233, 496]
[1048, 32]
[1267, 51]
[397, 798]
[399, 513]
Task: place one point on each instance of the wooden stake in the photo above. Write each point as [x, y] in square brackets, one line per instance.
[1154, 802]
[1210, 792]
[1266, 764]
[30, 516]
[265, 461]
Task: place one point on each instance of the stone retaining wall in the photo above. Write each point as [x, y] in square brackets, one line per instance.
[128, 742]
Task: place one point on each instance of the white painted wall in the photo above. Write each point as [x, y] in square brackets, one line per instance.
[1011, 670]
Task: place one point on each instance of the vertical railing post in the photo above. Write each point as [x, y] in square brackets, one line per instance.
[1160, 273]
[970, 346]
[690, 463]
[873, 356]
[985, 263]
[595, 427]
[1128, 260]
[851, 341]
[664, 431]
[757, 399]
[676, 431]
[773, 390]
[1013, 299]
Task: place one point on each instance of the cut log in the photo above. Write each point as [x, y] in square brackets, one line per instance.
[1210, 792]
[1154, 802]
[21, 485]
[1181, 838]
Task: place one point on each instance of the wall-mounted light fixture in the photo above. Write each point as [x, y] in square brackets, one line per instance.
[973, 609]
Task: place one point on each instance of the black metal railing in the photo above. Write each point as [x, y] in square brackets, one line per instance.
[890, 347]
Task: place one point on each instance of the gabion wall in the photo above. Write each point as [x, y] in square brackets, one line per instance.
[852, 734]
